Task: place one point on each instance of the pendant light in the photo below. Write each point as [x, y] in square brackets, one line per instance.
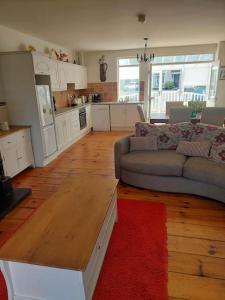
[144, 57]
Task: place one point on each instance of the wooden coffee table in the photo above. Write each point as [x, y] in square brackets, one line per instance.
[58, 253]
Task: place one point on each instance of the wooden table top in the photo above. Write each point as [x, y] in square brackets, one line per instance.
[63, 231]
[12, 129]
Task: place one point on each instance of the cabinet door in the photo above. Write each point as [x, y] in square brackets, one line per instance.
[83, 77]
[62, 76]
[132, 115]
[9, 155]
[41, 64]
[117, 115]
[24, 150]
[59, 131]
[54, 74]
[89, 116]
[75, 124]
[100, 117]
[77, 77]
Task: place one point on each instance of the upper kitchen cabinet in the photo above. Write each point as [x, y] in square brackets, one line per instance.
[60, 72]
[41, 64]
[80, 74]
[54, 74]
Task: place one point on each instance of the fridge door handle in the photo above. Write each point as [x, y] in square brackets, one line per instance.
[44, 110]
[50, 111]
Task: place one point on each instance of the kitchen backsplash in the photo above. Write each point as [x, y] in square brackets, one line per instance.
[107, 90]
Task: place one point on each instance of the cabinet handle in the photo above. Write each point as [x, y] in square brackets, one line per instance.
[9, 142]
[20, 157]
[99, 247]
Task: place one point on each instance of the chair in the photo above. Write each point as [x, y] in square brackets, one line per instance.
[213, 115]
[173, 104]
[141, 113]
[180, 114]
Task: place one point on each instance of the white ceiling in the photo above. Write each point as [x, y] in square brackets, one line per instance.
[110, 25]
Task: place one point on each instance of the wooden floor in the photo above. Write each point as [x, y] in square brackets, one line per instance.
[195, 225]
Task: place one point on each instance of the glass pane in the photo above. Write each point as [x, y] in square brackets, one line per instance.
[128, 61]
[129, 83]
[183, 58]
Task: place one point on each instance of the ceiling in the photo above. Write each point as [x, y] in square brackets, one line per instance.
[109, 25]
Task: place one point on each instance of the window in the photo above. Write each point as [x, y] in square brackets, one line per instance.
[128, 72]
[184, 58]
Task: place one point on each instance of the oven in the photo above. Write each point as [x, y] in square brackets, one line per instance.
[82, 117]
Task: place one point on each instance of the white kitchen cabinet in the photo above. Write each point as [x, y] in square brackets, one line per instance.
[54, 74]
[80, 75]
[100, 117]
[41, 64]
[24, 149]
[83, 77]
[60, 72]
[89, 116]
[123, 116]
[16, 151]
[63, 130]
[117, 116]
[74, 124]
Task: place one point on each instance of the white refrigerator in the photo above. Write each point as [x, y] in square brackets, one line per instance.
[46, 119]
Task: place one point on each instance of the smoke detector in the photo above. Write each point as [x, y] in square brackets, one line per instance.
[141, 18]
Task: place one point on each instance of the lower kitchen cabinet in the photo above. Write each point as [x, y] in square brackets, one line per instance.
[62, 130]
[123, 116]
[16, 151]
[68, 127]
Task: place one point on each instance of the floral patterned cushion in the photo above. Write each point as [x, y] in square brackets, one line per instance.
[214, 134]
[204, 132]
[218, 146]
[168, 135]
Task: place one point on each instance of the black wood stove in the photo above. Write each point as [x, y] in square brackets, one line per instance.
[9, 196]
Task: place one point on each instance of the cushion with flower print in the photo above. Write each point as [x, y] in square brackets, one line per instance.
[204, 132]
[168, 135]
[218, 146]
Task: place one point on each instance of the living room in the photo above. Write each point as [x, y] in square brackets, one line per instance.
[112, 150]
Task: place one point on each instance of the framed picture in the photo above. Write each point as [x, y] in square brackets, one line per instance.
[222, 73]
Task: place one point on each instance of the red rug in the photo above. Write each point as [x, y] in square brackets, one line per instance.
[135, 265]
[3, 288]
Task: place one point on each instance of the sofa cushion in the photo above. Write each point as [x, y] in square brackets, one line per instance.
[218, 146]
[143, 143]
[168, 135]
[205, 170]
[162, 162]
[204, 132]
[200, 149]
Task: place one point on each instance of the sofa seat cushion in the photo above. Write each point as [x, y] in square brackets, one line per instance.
[205, 170]
[162, 162]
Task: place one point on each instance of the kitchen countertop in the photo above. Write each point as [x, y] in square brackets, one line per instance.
[12, 129]
[117, 103]
[63, 231]
[62, 110]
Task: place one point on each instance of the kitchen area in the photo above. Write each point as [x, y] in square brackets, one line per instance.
[53, 106]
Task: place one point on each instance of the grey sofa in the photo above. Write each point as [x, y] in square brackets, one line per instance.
[168, 171]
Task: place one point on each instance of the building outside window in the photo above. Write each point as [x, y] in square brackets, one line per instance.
[128, 79]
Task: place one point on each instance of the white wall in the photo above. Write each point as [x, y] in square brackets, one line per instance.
[11, 40]
[91, 58]
[220, 99]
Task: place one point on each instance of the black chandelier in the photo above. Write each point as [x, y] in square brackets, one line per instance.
[144, 57]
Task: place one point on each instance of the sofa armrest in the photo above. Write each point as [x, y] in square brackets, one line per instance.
[122, 146]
